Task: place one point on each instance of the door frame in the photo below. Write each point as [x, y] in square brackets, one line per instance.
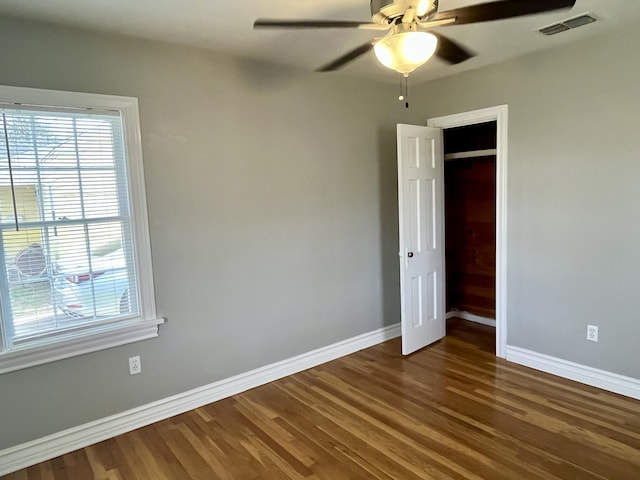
[499, 114]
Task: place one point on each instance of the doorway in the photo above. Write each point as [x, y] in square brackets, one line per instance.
[495, 118]
[470, 222]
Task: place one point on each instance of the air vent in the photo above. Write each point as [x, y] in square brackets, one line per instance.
[553, 29]
[568, 24]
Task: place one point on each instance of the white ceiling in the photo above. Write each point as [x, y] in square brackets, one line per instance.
[227, 26]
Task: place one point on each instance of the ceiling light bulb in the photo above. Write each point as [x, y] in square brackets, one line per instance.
[423, 8]
[404, 52]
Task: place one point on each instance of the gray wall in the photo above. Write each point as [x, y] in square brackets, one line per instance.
[573, 194]
[272, 209]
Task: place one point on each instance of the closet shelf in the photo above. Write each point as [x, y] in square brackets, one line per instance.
[471, 154]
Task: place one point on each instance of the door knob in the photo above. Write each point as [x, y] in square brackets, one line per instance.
[410, 254]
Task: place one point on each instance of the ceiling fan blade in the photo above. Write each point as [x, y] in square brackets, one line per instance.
[263, 23]
[346, 58]
[450, 51]
[436, 23]
[498, 10]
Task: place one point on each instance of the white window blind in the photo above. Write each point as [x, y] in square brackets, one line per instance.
[68, 251]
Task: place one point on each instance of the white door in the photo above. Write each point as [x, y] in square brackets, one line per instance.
[421, 212]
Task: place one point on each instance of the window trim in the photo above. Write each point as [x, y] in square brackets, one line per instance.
[146, 324]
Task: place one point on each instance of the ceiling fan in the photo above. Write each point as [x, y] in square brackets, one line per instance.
[408, 42]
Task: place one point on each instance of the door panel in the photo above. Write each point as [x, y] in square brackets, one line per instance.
[420, 197]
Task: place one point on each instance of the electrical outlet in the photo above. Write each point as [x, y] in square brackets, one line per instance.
[592, 333]
[135, 366]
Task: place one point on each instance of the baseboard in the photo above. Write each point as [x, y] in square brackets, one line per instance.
[491, 322]
[611, 382]
[51, 446]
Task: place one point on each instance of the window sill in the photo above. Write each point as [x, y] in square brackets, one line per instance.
[115, 335]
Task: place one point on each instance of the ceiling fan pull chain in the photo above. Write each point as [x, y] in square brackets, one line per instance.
[406, 91]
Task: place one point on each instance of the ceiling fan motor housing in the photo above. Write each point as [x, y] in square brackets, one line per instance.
[388, 11]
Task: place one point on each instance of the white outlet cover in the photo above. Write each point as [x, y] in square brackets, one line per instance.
[592, 333]
[135, 366]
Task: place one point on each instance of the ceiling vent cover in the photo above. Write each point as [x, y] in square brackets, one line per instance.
[565, 25]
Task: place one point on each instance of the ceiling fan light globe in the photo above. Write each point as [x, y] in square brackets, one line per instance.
[404, 52]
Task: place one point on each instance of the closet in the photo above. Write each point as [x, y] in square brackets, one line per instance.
[470, 219]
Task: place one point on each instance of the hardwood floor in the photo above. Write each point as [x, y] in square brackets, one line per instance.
[451, 411]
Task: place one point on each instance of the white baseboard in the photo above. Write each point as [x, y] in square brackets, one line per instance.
[612, 382]
[491, 322]
[51, 446]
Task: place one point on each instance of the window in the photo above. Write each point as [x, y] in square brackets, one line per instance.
[75, 262]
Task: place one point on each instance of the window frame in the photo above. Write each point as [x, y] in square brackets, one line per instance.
[145, 325]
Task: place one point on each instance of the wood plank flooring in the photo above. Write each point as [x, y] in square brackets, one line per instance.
[451, 411]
